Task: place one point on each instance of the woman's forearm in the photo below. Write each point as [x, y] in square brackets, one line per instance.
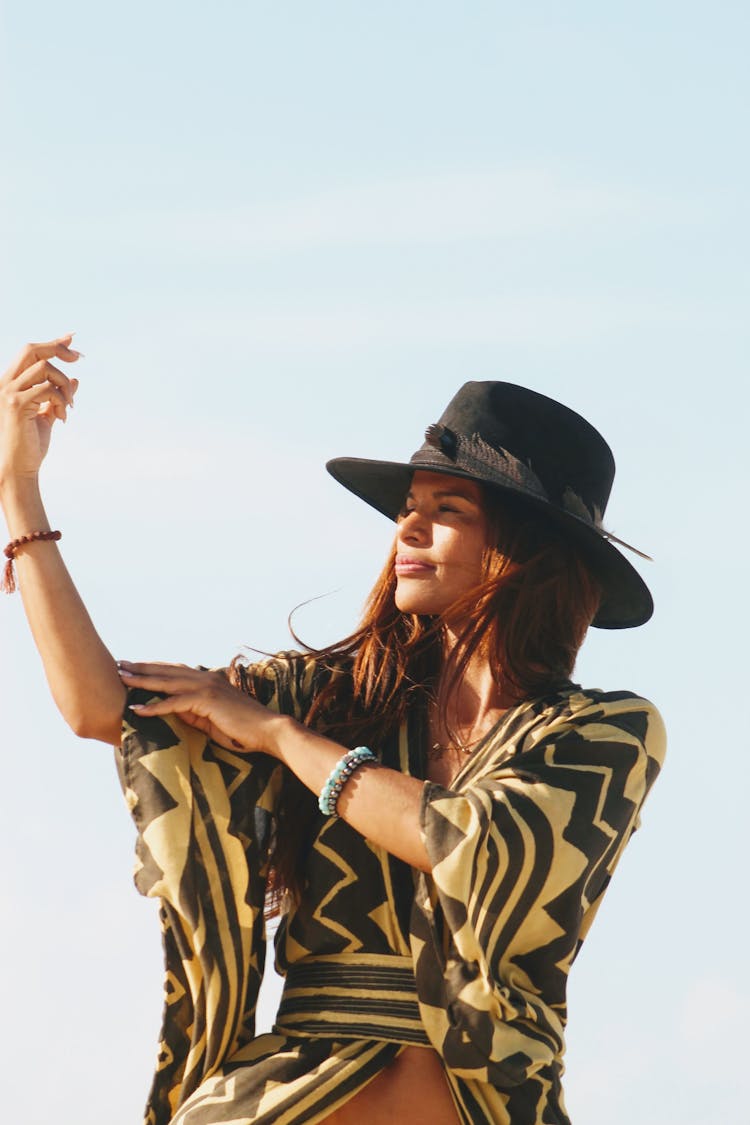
[382, 804]
[80, 671]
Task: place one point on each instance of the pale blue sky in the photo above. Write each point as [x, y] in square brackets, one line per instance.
[286, 232]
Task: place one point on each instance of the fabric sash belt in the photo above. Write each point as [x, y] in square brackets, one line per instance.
[352, 996]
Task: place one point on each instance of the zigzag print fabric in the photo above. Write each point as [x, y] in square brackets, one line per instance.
[471, 959]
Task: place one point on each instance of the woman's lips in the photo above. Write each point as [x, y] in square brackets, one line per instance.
[412, 568]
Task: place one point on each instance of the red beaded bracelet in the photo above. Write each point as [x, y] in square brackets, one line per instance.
[9, 578]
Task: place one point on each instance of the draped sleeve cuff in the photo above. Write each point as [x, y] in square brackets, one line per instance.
[203, 818]
[485, 1028]
[521, 852]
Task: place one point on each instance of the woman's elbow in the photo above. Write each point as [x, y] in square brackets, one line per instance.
[100, 721]
[99, 728]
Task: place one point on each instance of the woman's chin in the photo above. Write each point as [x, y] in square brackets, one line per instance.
[413, 603]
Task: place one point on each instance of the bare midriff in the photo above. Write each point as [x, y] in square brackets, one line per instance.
[413, 1088]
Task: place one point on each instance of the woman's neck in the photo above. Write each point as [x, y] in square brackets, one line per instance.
[466, 711]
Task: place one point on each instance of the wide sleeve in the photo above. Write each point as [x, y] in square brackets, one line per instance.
[203, 816]
[521, 855]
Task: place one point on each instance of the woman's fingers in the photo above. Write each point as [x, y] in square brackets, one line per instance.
[44, 399]
[44, 372]
[34, 393]
[171, 678]
[174, 705]
[203, 698]
[43, 393]
[170, 684]
[50, 413]
[184, 707]
[158, 668]
[36, 353]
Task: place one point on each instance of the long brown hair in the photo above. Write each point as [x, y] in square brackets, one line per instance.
[527, 618]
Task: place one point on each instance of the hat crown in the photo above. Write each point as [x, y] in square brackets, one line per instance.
[570, 459]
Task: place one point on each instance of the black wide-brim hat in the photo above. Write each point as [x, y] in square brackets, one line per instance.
[549, 459]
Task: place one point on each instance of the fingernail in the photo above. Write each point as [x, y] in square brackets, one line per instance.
[138, 706]
[124, 672]
[78, 355]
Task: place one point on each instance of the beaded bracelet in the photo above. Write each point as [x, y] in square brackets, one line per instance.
[10, 552]
[339, 776]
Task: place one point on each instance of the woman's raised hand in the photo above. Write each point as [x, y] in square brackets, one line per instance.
[33, 394]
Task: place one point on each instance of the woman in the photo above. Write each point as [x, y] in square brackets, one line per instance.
[472, 802]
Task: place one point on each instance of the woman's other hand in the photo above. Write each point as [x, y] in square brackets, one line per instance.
[33, 394]
[206, 700]
[382, 804]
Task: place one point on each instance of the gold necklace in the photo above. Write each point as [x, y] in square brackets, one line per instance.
[463, 749]
[438, 748]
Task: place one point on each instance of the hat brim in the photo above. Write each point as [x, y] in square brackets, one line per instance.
[626, 599]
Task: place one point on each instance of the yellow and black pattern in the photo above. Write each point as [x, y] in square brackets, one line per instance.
[203, 817]
[471, 959]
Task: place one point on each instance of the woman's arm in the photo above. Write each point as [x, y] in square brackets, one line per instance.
[80, 671]
[382, 804]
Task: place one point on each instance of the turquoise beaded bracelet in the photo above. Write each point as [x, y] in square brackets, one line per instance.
[339, 776]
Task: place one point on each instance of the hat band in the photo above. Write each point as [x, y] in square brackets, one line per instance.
[495, 465]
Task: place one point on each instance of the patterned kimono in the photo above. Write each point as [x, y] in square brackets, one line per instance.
[471, 960]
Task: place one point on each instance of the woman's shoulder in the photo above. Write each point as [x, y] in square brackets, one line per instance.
[592, 701]
[595, 714]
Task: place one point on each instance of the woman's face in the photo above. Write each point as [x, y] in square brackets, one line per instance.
[442, 535]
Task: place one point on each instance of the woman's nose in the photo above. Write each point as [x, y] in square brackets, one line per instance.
[414, 526]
